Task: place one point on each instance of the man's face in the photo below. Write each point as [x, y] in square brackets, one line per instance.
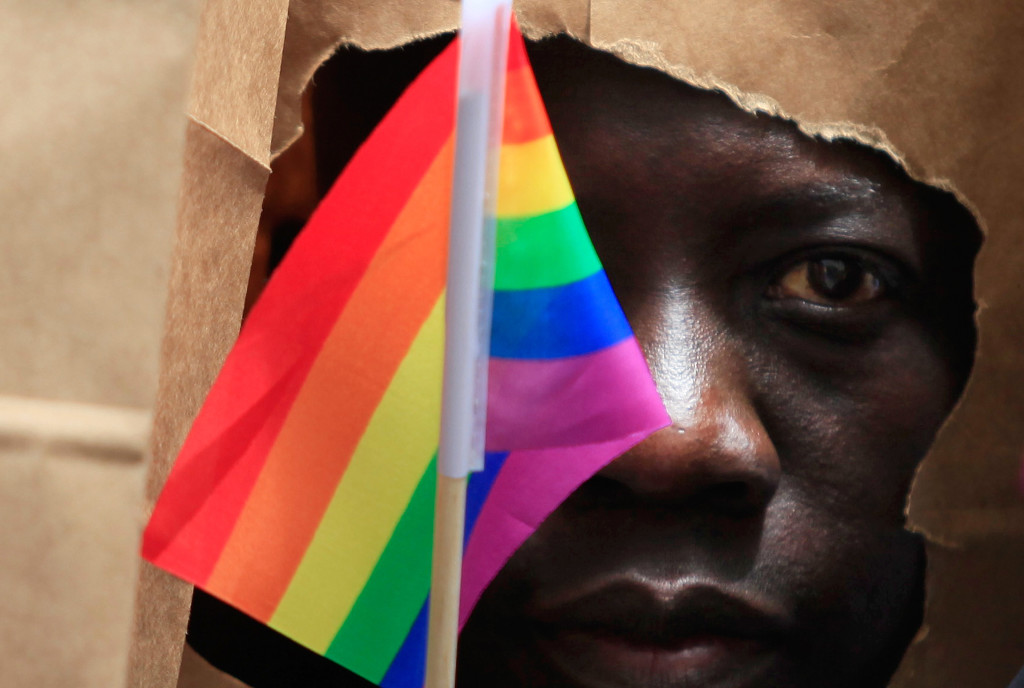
[807, 316]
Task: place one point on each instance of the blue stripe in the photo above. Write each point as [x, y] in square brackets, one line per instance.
[479, 487]
[555, 322]
[409, 668]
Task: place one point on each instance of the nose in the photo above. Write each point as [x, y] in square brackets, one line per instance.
[717, 453]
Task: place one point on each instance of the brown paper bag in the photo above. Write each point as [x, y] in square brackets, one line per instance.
[92, 133]
[929, 82]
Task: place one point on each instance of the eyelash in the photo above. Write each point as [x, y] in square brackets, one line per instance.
[889, 271]
[833, 318]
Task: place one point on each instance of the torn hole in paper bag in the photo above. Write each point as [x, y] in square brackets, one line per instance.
[965, 497]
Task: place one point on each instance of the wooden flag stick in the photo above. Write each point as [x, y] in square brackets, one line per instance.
[468, 301]
[443, 627]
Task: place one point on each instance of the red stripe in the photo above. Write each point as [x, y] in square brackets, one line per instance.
[289, 324]
[187, 520]
[517, 58]
[522, 98]
[339, 396]
[526, 119]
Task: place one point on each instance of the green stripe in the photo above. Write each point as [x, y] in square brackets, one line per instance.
[387, 606]
[543, 251]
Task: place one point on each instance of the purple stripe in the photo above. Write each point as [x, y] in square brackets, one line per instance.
[477, 489]
[530, 486]
[597, 397]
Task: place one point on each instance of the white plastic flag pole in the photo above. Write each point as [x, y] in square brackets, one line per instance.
[484, 50]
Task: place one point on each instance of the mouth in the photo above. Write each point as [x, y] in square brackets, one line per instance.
[637, 631]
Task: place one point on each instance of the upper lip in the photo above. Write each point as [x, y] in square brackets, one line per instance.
[657, 613]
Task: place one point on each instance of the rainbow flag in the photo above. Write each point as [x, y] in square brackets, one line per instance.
[304, 492]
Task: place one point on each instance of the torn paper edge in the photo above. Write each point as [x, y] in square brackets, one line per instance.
[648, 54]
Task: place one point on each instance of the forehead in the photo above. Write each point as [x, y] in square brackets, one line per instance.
[616, 115]
[663, 169]
[638, 142]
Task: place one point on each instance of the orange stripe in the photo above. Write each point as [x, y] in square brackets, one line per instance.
[525, 117]
[337, 400]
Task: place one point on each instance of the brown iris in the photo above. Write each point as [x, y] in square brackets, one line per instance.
[829, 282]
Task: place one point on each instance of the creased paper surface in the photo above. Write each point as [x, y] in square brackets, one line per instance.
[316, 29]
[209, 273]
[91, 139]
[932, 82]
[226, 165]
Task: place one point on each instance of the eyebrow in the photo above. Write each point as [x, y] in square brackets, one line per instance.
[820, 209]
[814, 200]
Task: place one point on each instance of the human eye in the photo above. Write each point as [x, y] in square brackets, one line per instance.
[843, 293]
[833, 281]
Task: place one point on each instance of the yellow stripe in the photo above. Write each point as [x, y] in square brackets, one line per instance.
[391, 457]
[532, 180]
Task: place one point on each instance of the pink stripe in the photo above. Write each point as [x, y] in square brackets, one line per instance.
[597, 397]
[530, 486]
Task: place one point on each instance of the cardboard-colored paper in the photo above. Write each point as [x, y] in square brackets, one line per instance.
[91, 137]
[926, 82]
[196, 672]
[226, 166]
[929, 81]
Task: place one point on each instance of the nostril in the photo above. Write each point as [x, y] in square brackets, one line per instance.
[725, 463]
[732, 491]
[735, 498]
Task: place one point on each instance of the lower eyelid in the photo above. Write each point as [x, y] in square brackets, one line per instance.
[841, 324]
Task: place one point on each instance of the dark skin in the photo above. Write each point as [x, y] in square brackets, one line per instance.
[806, 312]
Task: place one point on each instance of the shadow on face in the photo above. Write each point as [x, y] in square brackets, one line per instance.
[807, 313]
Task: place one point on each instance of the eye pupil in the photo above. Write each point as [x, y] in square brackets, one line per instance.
[835, 278]
[829, 281]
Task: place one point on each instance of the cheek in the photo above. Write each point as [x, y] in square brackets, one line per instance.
[852, 425]
[857, 590]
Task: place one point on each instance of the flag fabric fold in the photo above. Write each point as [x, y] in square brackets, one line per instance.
[304, 493]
